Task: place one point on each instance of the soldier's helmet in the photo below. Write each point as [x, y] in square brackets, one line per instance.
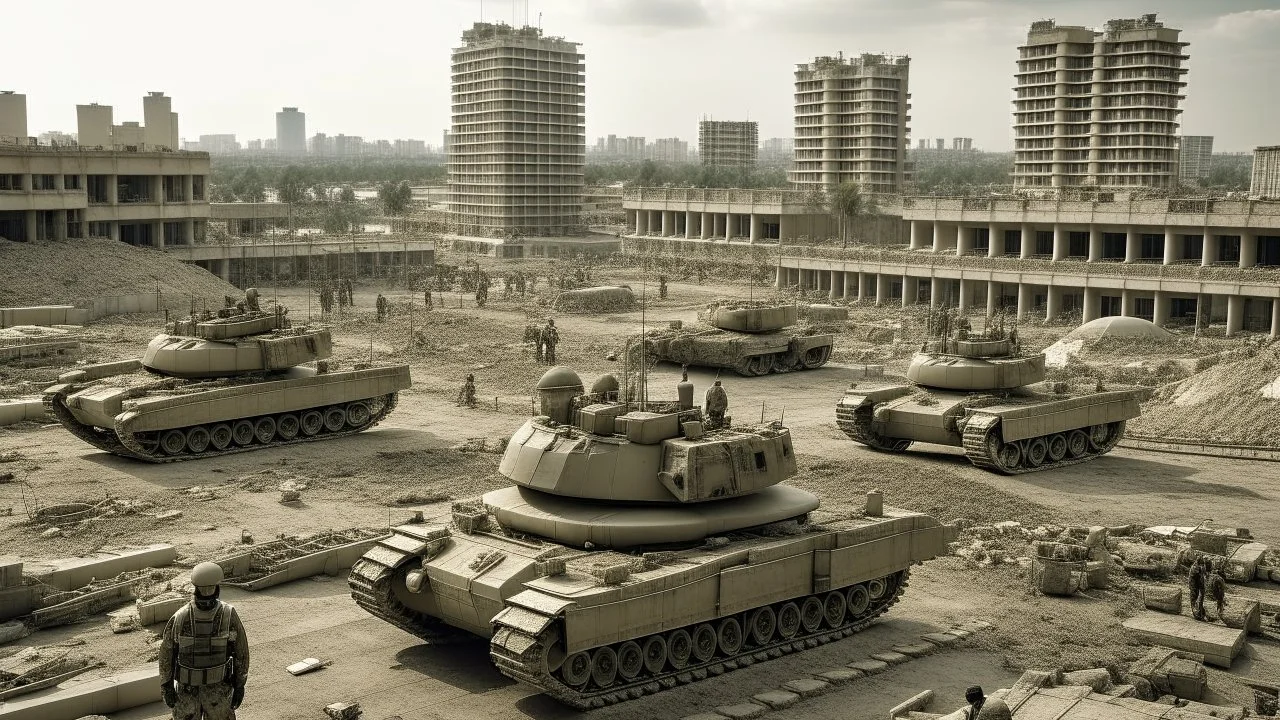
[206, 574]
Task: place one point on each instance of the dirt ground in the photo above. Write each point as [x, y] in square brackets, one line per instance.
[416, 456]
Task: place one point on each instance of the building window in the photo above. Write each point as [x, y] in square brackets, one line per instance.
[134, 189]
[10, 182]
[70, 182]
[197, 187]
[96, 189]
[44, 182]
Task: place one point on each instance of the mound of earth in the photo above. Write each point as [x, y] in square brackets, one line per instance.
[72, 272]
[596, 299]
[1116, 327]
[1226, 403]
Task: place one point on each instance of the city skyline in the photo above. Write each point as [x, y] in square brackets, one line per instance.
[385, 83]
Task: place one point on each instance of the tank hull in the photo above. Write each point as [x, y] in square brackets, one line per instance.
[134, 415]
[748, 354]
[1011, 433]
[595, 627]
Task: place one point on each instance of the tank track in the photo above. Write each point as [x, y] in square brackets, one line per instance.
[522, 656]
[370, 582]
[754, 365]
[129, 445]
[978, 437]
[856, 423]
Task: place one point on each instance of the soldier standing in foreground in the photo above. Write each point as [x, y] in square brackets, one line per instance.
[550, 336]
[204, 653]
[715, 403]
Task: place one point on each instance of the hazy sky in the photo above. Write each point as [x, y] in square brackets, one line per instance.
[380, 68]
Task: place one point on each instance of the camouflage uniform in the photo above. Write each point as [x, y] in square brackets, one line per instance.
[716, 402]
[207, 654]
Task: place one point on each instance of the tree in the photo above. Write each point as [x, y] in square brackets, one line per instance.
[815, 201]
[320, 192]
[291, 187]
[343, 217]
[849, 205]
[346, 194]
[248, 186]
[395, 197]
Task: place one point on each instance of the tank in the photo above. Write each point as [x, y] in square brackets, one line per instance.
[217, 384]
[638, 548]
[982, 393]
[749, 338]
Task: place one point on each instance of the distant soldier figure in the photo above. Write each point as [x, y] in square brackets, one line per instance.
[1196, 584]
[382, 308]
[715, 403]
[550, 337]
[467, 395]
[342, 295]
[351, 294]
[426, 292]
[482, 288]
[1216, 585]
[326, 298]
[506, 286]
[204, 653]
[662, 287]
[251, 299]
[520, 282]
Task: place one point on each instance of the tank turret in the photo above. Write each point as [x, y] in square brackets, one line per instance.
[637, 549]
[983, 393]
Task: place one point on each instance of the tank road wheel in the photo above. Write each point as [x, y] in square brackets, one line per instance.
[264, 428]
[1006, 456]
[833, 609]
[242, 432]
[220, 436]
[679, 648]
[704, 642]
[173, 442]
[1037, 451]
[312, 422]
[782, 363]
[198, 439]
[761, 365]
[811, 614]
[604, 666]
[730, 636]
[655, 653]
[576, 670]
[858, 600]
[287, 426]
[788, 620]
[630, 660]
[876, 588]
[357, 414]
[334, 419]
[816, 357]
[1098, 437]
[763, 622]
[1077, 443]
[1057, 446]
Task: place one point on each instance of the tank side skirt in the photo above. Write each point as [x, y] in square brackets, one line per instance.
[56, 405]
[856, 423]
[522, 657]
[979, 431]
[370, 582]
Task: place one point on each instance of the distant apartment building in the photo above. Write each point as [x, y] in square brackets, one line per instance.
[851, 122]
[1098, 108]
[962, 143]
[56, 137]
[320, 144]
[518, 144]
[669, 150]
[410, 148]
[219, 144]
[133, 191]
[291, 132]
[1265, 179]
[777, 150]
[13, 117]
[729, 143]
[1195, 152]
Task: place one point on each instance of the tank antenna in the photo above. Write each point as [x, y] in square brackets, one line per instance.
[762, 412]
[644, 360]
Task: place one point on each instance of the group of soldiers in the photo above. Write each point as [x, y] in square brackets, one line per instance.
[341, 290]
[382, 306]
[548, 338]
[1207, 579]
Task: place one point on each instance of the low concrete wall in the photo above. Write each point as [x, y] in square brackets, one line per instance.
[73, 573]
[78, 698]
[20, 410]
[70, 315]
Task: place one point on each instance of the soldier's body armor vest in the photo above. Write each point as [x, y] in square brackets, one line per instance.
[204, 646]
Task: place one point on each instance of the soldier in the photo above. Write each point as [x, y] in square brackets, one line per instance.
[251, 299]
[342, 296]
[1196, 582]
[426, 292]
[351, 294]
[204, 653]
[1216, 584]
[550, 336]
[326, 298]
[382, 308]
[467, 395]
[662, 287]
[715, 403]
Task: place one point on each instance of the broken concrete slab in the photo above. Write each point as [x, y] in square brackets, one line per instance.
[742, 711]
[343, 711]
[915, 649]
[806, 687]
[72, 573]
[1172, 672]
[75, 699]
[917, 703]
[1219, 645]
[839, 676]
[891, 658]
[82, 605]
[1162, 598]
[18, 410]
[328, 560]
[1242, 612]
[1242, 564]
[777, 699]
[869, 667]
[1097, 678]
[11, 631]
[941, 639]
[704, 716]
[160, 609]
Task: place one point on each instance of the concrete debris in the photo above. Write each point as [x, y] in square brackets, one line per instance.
[124, 623]
[343, 711]
[1162, 598]
[290, 496]
[169, 515]
[307, 665]
[13, 630]
[777, 699]
[1218, 645]
[1171, 672]
[1097, 678]
[51, 533]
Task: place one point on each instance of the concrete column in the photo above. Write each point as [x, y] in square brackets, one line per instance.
[1210, 253]
[935, 292]
[717, 225]
[189, 231]
[850, 280]
[113, 229]
[777, 275]
[704, 226]
[224, 269]
[1027, 248]
[29, 224]
[729, 227]
[1059, 243]
[1092, 304]
[642, 222]
[910, 290]
[1131, 249]
[881, 290]
[113, 190]
[757, 226]
[938, 238]
[1095, 244]
[688, 224]
[667, 222]
[1275, 319]
[966, 286]
[188, 188]
[1053, 303]
[862, 285]
[157, 192]
[835, 274]
[1170, 246]
[1160, 315]
[1235, 314]
[964, 240]
[995, 240]
[1126, 303]
[917, 234]
[993, 298]
[1248, 249]
[157, 234]
[1024, 299]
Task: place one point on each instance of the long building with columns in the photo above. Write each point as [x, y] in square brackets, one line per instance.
[1166, 260]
